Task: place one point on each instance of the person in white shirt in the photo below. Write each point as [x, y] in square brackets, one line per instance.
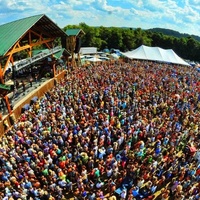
[123, 194]
[140, 182]
[99, 184]
[109, 172]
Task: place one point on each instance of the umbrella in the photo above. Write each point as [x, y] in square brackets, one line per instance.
[106, 50]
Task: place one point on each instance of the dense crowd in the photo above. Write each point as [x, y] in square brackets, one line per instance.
[126, 130]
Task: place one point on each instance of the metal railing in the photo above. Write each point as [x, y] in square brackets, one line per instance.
[16, 96]
[26, 62]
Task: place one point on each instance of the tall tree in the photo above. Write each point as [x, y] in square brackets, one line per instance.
[128, 39]
[141, 38]
[192, 46]
[116, 41]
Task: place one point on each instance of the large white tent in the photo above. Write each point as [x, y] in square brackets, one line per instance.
[155, 54]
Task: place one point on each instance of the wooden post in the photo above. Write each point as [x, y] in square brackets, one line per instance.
[8, 104]
[54, 70]
[1, 75]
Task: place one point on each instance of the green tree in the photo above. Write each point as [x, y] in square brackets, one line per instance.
[128, 39]
[106, 36]
[156, 38]
[192, 46]
[116, 41]
[141, 38]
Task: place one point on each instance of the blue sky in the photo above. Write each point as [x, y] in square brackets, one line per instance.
[178, 15]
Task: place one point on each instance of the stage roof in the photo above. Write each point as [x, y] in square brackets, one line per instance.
[11, 32]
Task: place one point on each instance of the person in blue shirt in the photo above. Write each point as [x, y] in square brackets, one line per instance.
[135, 191]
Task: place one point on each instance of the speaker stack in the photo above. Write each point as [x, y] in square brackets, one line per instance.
[78, 45]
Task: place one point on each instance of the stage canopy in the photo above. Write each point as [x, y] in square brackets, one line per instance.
[155, 54]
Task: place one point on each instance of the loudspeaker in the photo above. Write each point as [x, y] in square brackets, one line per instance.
[78, 45]
[12, 87]
[14, 73]
[64, 42]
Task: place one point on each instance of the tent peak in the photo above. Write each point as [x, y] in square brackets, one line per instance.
[155, 54]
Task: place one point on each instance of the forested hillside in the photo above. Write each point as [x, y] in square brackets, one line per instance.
[173, 33]
[128, 39]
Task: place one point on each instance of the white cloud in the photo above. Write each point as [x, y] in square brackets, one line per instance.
[181, 15]
[197, 2]
[140, 3]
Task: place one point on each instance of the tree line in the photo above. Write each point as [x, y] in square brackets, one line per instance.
[177, 34]
[126, 39]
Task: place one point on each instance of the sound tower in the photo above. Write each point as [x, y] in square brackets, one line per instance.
[78, 45]
[63, 42]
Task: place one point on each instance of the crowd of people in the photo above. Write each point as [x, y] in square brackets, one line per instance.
[112, 130]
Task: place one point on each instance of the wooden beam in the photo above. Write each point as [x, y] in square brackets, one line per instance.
[1, 75]
[18, 47]
[7, 63]
[8, 104]
[42, 32]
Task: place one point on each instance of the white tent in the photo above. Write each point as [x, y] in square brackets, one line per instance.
[88, 50]
[155, 54]
[114, 55]
[93, 59]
